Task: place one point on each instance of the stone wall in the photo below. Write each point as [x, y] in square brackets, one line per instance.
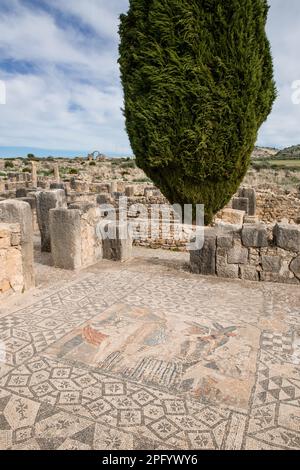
[255, 252]
[77, 241]
[278, 205]
[11, 266]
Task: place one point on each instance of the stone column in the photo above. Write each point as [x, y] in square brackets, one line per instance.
[14, 211]
[46, 200]
[34, 174]
[56, 173]
[65, 233]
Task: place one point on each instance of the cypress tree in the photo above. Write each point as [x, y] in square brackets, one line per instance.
[198, 83]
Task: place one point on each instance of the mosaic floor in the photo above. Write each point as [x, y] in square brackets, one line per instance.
[132, 358]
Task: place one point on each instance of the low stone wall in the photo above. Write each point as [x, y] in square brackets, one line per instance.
[255, 252]
[11, 266]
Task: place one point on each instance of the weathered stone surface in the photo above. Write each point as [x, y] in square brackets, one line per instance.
[57, 186]
[237, 255]
[295, 266]
[21, 192]
[241, 204]
[255, 235]
[19, 212]
[287, 237]
[117, 246]
[278, 277]
[271, 263]
[251, 219]
[230, 271]
[231, 216]
[104, 198]
[250, 194]
[65, 235]
[203, 261]
[47, 200]
[129, 191]
[249, 273]
[225, 240]
[114, 187]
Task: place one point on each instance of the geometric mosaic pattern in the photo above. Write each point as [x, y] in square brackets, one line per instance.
[125, 359]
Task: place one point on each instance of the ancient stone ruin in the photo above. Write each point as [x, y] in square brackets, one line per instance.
[73, 216]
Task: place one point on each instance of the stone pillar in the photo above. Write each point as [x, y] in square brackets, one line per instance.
[11, 267]
[117, 247]
[113, 187]
[250, 194]
[19, 212]
[129, 191]
[34, 174]
[65, 233]
[56, 173]
[203, 260]
[47, 200]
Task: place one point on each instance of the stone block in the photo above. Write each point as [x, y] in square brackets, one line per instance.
[278, 277]
[255, 235]
[19, 212]
[58, 186]
[47, 200]
[249, 273]
[129, 191]
[240, 204]
[203, 261]
[21, 192]
[104, 198]
[237, 255]
[230, 271]
[271, 263]
[225, 240]
[118, 245]
[250, 194]
[295, 266]
[251, 219]
[287, 237]
[65, 235]
[232, 216]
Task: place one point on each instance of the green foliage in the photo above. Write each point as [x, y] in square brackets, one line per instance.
[73, 171]
[31, 157]
[128, 164]
[8, 164]
[198, 83]
[92, 163]
[26, 170]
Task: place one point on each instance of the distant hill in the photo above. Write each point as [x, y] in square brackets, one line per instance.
[264, 152]
[290, 153]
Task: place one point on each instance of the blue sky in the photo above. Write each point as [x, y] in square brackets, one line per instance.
[58, 59]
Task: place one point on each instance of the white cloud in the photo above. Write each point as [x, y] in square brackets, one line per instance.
[71, 97]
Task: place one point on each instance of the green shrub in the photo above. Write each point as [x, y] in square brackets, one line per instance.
[73, 171]
[198, 83]
[8, 164]
[26, 170]
[92, 163]
[128, 164]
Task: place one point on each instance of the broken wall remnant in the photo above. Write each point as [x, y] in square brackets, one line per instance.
[45, 201]
[14, 211]
[256, 252]
[11, 264]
